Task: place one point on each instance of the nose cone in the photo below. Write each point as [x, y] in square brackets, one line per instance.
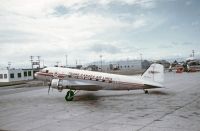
[36, 75]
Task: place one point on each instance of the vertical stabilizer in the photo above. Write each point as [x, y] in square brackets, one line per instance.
[154, 73]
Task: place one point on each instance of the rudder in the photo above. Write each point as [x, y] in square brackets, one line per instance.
[154, 73]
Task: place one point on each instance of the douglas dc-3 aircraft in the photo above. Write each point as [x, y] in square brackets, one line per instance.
[73, 79]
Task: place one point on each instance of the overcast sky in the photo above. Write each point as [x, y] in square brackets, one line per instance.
[85, 29]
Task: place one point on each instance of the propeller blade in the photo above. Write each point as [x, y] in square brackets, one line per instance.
[49, 88]
[49, 84]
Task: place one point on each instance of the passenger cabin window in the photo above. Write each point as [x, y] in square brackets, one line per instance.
[29, 73]
[25, 73]
[1, 76]
[12, 75]
[19, 75]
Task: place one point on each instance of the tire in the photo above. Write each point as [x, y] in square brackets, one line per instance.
[69, 96]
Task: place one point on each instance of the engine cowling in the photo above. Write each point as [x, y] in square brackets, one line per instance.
[57, 83]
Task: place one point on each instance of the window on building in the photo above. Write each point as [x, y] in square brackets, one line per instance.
[128, 66]
[124, 66]
[121, 67]
[5, 76]
[1, 76]
[25, 73]
[29, 73]
[12, 75]
[19, 75]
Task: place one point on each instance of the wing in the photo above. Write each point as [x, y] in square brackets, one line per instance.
[80, 85]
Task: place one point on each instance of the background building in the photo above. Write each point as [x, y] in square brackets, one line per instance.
[126, 65]
[115, 65]
[9, 75]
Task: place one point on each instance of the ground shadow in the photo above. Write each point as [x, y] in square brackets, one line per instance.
[86, 97]
[94, 96]
[154, 92]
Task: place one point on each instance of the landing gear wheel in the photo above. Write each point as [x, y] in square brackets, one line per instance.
[69, 96]
[146, 91]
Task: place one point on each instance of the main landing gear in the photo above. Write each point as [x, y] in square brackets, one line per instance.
[70, 95]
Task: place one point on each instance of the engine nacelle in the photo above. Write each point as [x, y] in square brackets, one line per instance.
[57, 83]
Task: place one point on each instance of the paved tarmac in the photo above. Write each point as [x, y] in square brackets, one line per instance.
[174, 108]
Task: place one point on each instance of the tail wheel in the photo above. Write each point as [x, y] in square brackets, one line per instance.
[69, 96]
[146, 91]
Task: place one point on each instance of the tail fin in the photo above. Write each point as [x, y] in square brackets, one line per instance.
[154, 73]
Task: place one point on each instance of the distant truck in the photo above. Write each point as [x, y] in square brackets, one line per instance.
[193, 66]
[178, 68]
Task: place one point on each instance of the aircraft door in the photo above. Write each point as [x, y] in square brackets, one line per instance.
[115, 83]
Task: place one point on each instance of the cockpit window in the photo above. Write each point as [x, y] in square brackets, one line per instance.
[45, 71]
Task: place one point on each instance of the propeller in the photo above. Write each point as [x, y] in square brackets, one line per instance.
[55, 75]
[49, 84]
[46, 82]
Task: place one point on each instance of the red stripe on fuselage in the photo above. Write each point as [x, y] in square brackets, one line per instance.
[117, 82]
[50, 74]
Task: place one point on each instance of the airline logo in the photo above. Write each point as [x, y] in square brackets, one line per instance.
[91, 77]
[153, 72]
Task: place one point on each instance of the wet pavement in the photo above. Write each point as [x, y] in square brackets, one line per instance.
[176, 107]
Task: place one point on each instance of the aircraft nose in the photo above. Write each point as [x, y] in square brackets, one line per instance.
[36, 75]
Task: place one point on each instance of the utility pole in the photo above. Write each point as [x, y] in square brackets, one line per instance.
[66, 60]
[35, 61]
[9, 64]
[57, 63]
[141, 59]
[192, 53]
[101, 61]
[38, 61]
[76, 63]
[31, 57]
[43, 63]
